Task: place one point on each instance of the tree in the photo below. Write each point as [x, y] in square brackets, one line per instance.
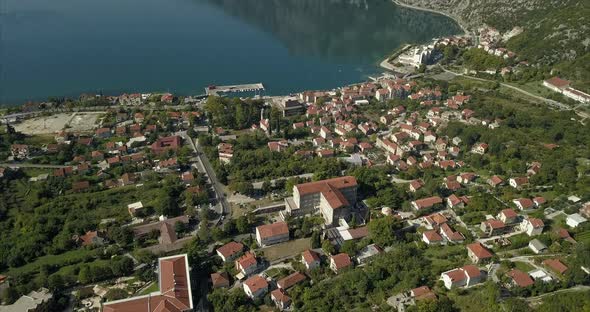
[315, 239]
[55, 282]
[383, 230]
[122, 266]
[328, 247]
[9, 295]
[349, 247]
[242, 224]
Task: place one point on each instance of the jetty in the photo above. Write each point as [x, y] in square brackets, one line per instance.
[251, 87]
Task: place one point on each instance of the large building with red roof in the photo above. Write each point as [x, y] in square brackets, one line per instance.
[270, 234]
[175, 294]
[333, 198]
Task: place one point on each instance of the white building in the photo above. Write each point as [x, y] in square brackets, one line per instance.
[574, 220]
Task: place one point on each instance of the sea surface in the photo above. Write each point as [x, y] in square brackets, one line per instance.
[69, 47]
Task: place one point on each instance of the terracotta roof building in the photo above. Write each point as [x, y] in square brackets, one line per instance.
[556, 265]
[520, 279]
[333, 198]
[291, 280]
[478, 253]
[270, 234]
[255, 287]
[339, 262]
[175, 294]
[230, 251]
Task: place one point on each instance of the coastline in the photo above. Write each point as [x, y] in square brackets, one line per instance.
[451, 16]
[385, 62]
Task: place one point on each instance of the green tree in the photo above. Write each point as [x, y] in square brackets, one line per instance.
[328, 247]
[383, 230]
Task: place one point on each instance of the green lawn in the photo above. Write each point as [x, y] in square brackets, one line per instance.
[61, 260]
[152, 288]
[523, 266]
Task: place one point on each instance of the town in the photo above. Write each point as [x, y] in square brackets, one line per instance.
[391, 194]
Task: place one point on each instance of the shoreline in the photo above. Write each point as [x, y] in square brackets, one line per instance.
[385, 62]
[451, 16]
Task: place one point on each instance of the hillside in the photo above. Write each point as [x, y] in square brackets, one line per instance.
[556, 32]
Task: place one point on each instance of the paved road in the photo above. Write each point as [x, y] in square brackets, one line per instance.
[32, 166]
[575, 288]
[551, 103]
[217, 186]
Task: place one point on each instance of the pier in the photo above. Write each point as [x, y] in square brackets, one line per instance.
[215, 90]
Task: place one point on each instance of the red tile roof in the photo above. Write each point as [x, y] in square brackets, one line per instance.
[174, 295]
[520, 278]
[428, 202]
[556, 265]
[256, 283]
[479, 251]
[330, 189]
[310, 256]
[230, 249]
[341, 260]
[274, 229]
[246, 261]
[291, 280]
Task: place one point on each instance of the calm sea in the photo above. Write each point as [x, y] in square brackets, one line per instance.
[68, 47]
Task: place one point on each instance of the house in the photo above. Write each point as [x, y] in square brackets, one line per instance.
[508, 216]
[255, 287]
[574, 220]
[479, 148]
[368, 252]
[340, 262]
[310, 259]
[518, 182]
[165, 144]
[537, 246]
[478, 253]
[426, 203]
[103, 133]
[19, 151]
[455, 201]
[431, 237]
[524, 203]
[415, 185]
[220, 280]
[291, 280]
[450, 235]
[556, 265]
[466, 276]
[495, 181]
[422, 292]
[556, 84]
[520, 278]
[532, 226]
[175, 293]
[230, 251]
[539, 200]
[247, 264]
[270, 234]
[225, 152]
[92, 238]
[492, 227]
[280, 298]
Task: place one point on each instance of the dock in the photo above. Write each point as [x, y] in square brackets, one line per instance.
[216, 90]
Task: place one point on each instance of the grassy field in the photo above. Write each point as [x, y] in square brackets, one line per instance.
[288, 249]
[523, 266]
[446, 257]
[65, 259]
[152, 288]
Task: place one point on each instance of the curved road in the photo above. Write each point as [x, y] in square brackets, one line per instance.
[548, 101]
